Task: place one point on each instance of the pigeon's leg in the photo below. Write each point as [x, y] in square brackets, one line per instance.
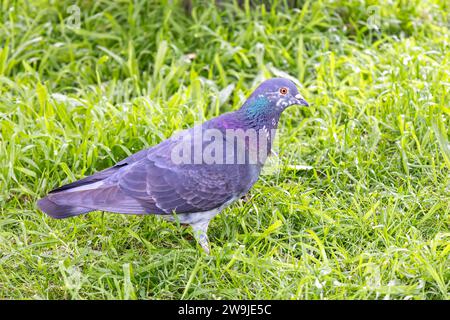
[200, 228]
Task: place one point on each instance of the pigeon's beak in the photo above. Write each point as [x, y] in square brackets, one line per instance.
[301, 100]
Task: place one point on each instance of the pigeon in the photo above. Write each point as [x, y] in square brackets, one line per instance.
[193, 175]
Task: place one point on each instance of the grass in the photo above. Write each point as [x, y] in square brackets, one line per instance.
[365, 216]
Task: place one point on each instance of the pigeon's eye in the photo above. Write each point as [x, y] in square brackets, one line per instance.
[283, 91]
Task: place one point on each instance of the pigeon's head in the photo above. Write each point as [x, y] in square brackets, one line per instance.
[273, 96]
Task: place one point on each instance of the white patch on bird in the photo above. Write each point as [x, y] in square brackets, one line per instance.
[90, 186]
[274, 122]
[198, 217]
[191, 218]
[265, 130]
[281, 103]
[299, 96]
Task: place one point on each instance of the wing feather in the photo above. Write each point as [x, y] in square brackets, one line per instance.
[181, 188]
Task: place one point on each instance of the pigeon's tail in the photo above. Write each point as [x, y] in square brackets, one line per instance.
[77, 197]
[71, 201]
[59, 203]
[60, 211]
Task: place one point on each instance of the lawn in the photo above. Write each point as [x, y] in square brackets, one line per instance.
[357, 208]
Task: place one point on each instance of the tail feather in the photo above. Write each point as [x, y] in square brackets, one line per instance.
[91, 197]
[59, 211]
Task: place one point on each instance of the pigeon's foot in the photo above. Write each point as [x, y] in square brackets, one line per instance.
[200, 229]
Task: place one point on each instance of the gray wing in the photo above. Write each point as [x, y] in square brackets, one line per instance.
[155, 180]
[182, 189]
